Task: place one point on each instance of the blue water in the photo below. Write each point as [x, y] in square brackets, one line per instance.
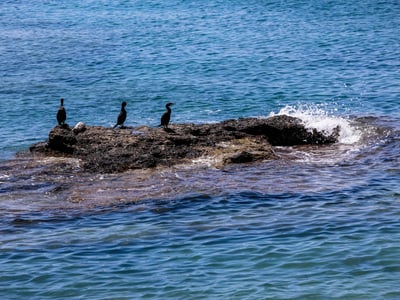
[320, 223]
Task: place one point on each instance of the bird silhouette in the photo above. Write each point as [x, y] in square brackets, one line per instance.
[122, 116]
[166, 117]
[61, 113]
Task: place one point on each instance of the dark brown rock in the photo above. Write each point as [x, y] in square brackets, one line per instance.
[62, 139]
[246, 140]
[241, 157]
[281, 131]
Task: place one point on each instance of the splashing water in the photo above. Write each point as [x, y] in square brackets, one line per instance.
[313, 116]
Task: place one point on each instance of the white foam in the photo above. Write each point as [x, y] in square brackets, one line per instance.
[313, 116]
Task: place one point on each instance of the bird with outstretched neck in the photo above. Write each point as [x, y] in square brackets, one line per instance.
[166, 117]
[61, 113]
[122, 116]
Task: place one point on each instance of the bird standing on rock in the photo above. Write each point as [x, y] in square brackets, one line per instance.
[122, 116]
[166, 116]
[61, 113]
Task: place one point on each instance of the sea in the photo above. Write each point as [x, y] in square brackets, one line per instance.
[320, 222]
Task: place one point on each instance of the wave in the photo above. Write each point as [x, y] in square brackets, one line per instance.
[360, 137]
[314, 116]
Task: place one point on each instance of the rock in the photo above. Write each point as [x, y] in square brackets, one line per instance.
[104, 150]
[62, 139]
[245, 150]
[281, 131]
[79, 127]
[241, 157]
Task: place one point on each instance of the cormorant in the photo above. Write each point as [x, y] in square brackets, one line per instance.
[61, 113]
[122, 116]
[166, 116]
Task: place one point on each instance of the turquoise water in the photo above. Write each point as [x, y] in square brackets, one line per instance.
[320, 223]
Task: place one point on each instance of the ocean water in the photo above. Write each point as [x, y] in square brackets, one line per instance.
[318, 223]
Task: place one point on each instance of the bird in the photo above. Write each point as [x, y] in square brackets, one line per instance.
[122, 115]
[166, 116]
[61, 113]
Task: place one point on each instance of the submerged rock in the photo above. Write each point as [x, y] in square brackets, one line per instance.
[106, 150]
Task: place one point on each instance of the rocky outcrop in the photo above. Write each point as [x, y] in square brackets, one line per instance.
[106, 150]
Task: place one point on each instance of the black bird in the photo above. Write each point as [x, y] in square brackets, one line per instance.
[122, 116]
[61, 113]
[166, 116]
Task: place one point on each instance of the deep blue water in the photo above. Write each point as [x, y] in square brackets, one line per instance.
[321, 223]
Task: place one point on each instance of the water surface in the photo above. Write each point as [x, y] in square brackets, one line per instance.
[318, 223]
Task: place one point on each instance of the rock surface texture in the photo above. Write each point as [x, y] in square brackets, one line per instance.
[105, 150]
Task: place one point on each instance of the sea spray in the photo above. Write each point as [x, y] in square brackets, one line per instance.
[316, 117]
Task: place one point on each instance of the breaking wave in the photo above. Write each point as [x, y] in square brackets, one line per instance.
[313, 116]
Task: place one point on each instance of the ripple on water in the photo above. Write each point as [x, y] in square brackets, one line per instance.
[228, 245]
[320, 223]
